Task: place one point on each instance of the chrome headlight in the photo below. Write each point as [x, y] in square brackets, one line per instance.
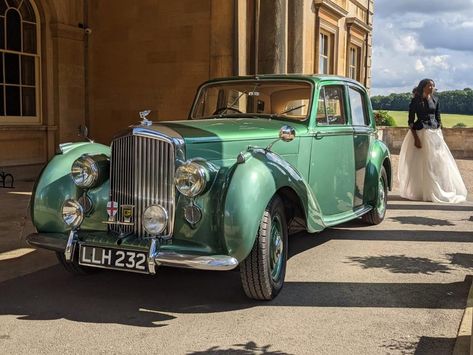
[191, 178]
[155, 219]
[72, 213]
[90, 170]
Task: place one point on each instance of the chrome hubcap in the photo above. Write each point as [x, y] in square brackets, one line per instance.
[276, 248]
[381, 207]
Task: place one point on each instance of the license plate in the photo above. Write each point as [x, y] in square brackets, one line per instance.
[113, 258]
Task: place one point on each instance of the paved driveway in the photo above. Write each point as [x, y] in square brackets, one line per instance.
[395, 288]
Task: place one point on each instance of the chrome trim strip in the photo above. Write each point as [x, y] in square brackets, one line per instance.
[200, 262]
[321, 134]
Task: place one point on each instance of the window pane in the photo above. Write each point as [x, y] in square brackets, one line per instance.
[13, 101]
[357, 108]
[2, 108]
[14, 3]
[27, 70]
[353, 73]
[13, 30]
[321, 116]
[2, 32]
[323, 64]
[27, 12]
[12, 68]
[334, 105]
[1, 69]
[323, 44]
[3, 7]
[28, 101]
[29, 38]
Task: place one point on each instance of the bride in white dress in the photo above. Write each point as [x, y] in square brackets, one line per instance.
[427, 169]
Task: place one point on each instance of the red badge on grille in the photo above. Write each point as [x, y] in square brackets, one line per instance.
[112, 209]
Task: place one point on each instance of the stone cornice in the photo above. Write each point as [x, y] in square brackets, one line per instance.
[357, 23]
[332, 7]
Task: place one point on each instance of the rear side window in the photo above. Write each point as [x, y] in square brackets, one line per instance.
[330, 109]
[359, 116]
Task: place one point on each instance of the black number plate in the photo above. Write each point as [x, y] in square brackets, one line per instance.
[113, 258]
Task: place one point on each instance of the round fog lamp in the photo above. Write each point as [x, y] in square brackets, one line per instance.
[72, 213]
[155, 219]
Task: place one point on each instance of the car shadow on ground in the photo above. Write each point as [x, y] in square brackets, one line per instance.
[154, 301]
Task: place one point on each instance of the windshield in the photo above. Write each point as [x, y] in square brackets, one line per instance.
[286, 99]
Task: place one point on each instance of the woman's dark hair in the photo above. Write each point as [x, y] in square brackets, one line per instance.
[419, 90]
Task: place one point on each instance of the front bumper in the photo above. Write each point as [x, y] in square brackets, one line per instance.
[58, 242]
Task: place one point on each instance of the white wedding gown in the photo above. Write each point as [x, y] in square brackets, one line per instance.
[429, 173]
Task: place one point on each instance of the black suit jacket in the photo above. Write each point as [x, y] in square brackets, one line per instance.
[427, 112]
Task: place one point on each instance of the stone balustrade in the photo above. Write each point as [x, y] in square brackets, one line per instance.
[459, 140]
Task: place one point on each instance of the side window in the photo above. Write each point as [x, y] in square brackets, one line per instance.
[330, 110]
[358, 108]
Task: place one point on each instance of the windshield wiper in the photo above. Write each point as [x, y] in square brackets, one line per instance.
[230, 107]
[290, 110]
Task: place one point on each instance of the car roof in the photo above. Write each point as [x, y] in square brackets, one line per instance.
[316, 78]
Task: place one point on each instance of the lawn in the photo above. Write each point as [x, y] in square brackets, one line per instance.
[448, 120]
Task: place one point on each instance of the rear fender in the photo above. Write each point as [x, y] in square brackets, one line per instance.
[378, 157]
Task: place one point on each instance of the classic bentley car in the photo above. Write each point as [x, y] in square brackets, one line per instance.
[258, 159]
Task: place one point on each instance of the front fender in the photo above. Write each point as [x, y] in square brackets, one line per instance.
[252, 185]
[55, 185]
[379, 156]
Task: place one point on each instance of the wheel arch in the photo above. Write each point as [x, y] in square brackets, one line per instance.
[379, 157]
[55, 185]
[253, 184]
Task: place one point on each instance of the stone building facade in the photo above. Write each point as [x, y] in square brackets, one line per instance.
[99, 62]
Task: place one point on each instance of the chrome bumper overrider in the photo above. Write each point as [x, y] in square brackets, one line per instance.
[156, 257]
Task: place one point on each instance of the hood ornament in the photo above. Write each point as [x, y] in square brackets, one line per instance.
[144, 120]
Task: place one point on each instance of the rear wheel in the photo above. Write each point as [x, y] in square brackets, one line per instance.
[74, 267]
[376, 215]
[263, 271]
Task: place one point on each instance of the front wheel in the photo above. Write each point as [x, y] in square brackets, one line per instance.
[263, 271]
[376, 215]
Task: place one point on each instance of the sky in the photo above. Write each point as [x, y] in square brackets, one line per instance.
[416, 39]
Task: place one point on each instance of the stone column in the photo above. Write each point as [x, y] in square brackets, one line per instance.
[272, 37]
[295, 37]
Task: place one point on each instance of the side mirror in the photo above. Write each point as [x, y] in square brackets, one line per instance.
[84, 132]
[287, 133]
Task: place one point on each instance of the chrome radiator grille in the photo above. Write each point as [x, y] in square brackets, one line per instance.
[142, 174]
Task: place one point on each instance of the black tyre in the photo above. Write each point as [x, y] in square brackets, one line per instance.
[263, 271]
[376, 215]
[74, 267]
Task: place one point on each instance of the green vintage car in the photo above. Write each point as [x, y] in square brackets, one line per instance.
[258, 158]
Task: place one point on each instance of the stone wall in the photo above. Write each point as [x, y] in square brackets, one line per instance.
[459, 140]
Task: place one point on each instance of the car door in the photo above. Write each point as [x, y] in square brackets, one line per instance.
[362, 135]
[331, 174]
